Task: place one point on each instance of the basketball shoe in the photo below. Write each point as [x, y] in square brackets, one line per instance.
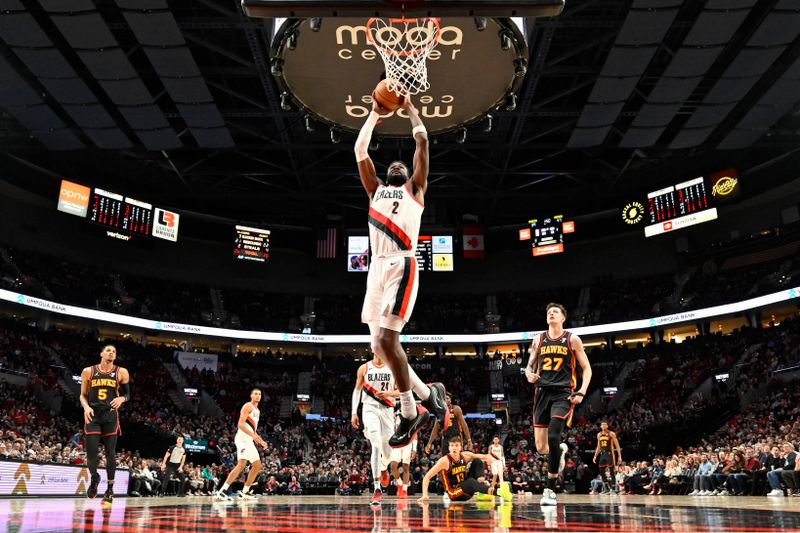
[91, 492]
[437, 405]
[408, 428]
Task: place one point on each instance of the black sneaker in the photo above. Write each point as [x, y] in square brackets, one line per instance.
[408, 428]
[91, 492]
[108, 497]
[437, 405]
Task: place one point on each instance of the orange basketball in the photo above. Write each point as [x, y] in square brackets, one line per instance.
[386, 99]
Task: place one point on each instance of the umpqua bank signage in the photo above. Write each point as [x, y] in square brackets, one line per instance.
[331, 72]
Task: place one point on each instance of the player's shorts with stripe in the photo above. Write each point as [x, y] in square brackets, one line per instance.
[392, 285]
[246, 448]
[606, 460]
[105, 422]
[551, 402]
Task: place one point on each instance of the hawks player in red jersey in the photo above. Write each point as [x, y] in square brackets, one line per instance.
[395, 215]
[104, 388]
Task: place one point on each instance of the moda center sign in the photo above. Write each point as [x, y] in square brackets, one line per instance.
[331, 73]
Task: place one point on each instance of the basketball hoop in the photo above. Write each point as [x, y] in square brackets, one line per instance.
[404, 45]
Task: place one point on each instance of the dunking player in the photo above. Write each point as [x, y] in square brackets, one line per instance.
[456, 426]
[245, 440]
[604, 454]
[104, 388]
[459, 478]
[395, 215]
[552, 368]
[373, 380]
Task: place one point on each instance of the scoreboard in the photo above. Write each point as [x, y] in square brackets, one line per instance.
[124, 215]
[678, 206]
[435, 253]
[121, 213]
[547, 235]
[251, 244]
[677, 201]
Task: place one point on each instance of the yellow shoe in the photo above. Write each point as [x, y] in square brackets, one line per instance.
[505, 491]
[481, 497]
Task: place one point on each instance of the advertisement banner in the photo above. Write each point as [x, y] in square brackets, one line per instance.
[73, 198]
[201, 361]
[165, 225]
[21, 479]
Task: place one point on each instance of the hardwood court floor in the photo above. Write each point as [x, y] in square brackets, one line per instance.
[626, 514]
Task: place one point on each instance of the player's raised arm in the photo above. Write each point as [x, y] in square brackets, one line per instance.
[366, 169]
[420, 177]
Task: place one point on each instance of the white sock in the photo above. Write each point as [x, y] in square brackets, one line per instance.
[246, 489]
[421, 389]
[377, 485]
[225, 487]
[408, 407]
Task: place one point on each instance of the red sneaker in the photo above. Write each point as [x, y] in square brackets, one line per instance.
[377, 496]
[402, 491]
[385, 478]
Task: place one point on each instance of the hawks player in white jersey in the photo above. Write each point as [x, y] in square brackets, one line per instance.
[246, 439]
[395, 215]
[374, 382]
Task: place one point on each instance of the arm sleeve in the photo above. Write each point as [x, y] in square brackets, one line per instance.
[355, 401]
[125, 390]
[365, 135]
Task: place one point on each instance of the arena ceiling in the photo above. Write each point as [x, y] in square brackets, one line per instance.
[174, 102]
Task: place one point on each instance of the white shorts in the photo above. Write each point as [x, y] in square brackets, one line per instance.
[246, 448]
[402, 455]
[378, 423]
[392, 285]
[497, 468]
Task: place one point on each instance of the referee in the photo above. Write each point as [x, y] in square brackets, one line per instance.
[173, 464]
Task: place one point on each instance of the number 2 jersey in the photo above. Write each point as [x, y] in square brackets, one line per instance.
[395, 215]
[556, 363]
[377, 379]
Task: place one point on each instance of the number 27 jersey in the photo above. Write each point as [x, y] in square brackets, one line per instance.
[395, 215]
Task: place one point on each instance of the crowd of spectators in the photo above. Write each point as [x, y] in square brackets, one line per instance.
[607, 298]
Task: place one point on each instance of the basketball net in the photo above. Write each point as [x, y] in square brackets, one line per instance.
[404, 45]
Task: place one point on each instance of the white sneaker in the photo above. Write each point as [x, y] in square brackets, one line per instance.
[219, 495]
[562, 461]
[548, 497]
[694, 493]
[776, 492]
[246, 496]
[724, 493]
[705, 493]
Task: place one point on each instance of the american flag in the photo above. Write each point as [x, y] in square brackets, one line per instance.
[326, 243]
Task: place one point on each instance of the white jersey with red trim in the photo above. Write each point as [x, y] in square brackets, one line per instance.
[252, 421]
[395, 215]
[377, 379]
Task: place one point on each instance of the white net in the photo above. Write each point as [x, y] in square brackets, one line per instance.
[404, 45]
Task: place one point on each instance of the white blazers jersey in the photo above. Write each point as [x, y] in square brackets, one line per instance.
[252, 421]
[395, 215]
[377, 379]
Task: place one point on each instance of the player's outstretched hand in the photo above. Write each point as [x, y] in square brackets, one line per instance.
[88, 413]
[354, 421]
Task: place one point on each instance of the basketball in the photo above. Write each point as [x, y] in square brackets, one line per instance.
[387, 99]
